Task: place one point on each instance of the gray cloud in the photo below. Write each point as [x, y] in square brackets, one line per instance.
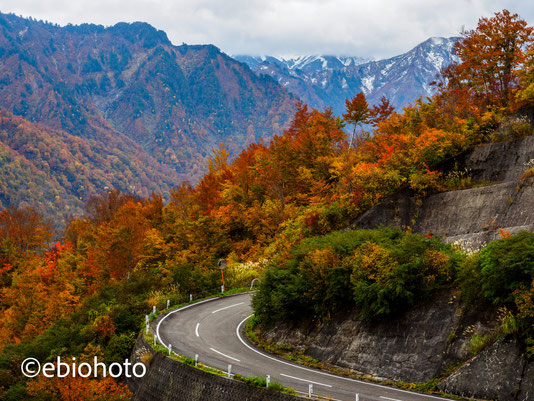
[379, 29]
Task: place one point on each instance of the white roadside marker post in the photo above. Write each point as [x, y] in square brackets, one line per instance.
[190, 297]
[147, 323]
[196, 359]
[168, 303]
[170, 348]
[229, 370]
[357, 397]
[155, 340]
[310, 390]
[268, 381]
[154, 309]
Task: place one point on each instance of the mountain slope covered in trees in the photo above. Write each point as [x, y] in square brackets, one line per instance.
[128, 89]
[55, 172]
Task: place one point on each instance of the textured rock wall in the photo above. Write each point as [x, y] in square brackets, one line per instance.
[420, 345]
[470, 217]
[170, 380]
[495, 162]
[498, 373]
[415, 347]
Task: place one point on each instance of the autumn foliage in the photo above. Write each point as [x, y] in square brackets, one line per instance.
[91, 285]
[491, 57]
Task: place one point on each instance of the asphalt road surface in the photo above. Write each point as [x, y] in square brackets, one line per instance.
[214, 330]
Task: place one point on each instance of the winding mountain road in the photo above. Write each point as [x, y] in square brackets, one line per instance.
[214, 329]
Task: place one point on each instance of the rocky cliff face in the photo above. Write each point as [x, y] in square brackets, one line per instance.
[415, 347]
[470, 217]
[500, 372]
[425, 343]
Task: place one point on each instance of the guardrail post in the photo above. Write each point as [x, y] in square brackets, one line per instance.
[310, 390]
[196, 359]
[268, 381]
[168, 303]
[229, 370]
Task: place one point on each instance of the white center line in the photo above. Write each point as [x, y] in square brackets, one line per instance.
[158, 336]
[391, 399]
[226, 307]
[196, 330]
[226, 356]
[305, 380]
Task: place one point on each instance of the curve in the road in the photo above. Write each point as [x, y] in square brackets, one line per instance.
[213, 329]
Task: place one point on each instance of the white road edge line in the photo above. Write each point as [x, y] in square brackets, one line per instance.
[306, 394]
[391, 399]
[227, 356]
[196, 330]
[226, 307]
[174, 311]
[306, 380]
[327, 374]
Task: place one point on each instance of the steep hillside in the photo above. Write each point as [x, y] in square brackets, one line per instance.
[128, 81]
[54, 171]
[472, 217]
[324, 81]
[449, 338]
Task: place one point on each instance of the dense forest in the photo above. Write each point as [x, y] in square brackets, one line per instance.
[86, 109]
[275, 211]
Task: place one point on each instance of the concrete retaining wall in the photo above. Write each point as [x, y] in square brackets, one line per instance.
[170, 380]
[470, 217]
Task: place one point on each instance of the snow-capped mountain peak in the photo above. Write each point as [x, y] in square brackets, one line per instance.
[326, 81]
[305, 63]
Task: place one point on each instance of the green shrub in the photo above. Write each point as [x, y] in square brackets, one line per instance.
[505, 265]
[16, 392]
[470, 280]
[120, 346]
[277, 387]
[478, 343]
[379, 271]
[189, 361]
[255, 381]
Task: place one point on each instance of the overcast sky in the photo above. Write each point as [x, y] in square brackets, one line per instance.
[373, 28]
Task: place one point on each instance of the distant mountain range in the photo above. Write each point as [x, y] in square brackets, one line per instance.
[326, 81]
[306, 64]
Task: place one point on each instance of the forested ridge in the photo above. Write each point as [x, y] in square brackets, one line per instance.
[125, 103]
[276, 211]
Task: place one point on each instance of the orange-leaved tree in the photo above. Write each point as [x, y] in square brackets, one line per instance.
[490, 57]
[357, 113]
